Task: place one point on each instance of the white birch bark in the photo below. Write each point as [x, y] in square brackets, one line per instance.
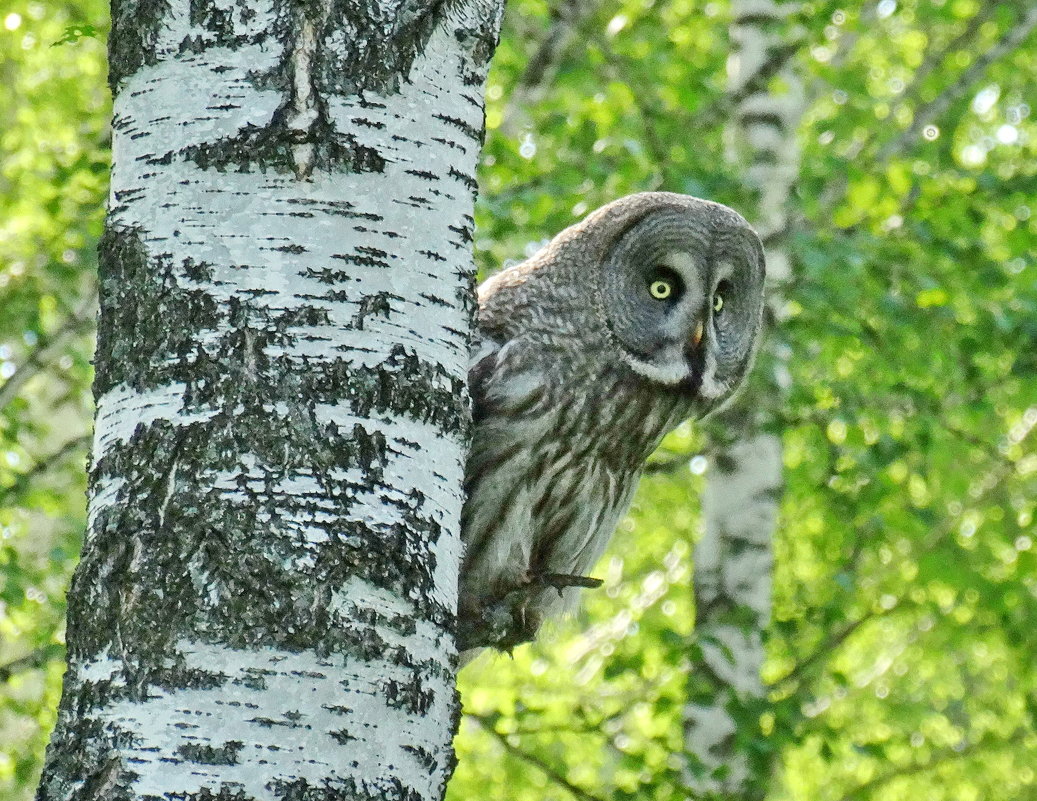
[733, 559]
[266, 600]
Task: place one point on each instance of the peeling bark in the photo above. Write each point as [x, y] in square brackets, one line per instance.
[266, 600]
[733, 559]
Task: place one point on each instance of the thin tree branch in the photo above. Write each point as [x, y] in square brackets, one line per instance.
[541, 67]
[722, 104]
[42, 466]
[617, 68]
[991, 481]
[33, 659]
[943, 757]
[934, 58]
[566, 19]
[933, 111]
[847, 42]
[45, 351]
[924, 116]
[486, 724]
[672, 462]
[830, 643]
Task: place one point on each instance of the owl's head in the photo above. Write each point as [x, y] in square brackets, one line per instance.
[667, 285]
[680, 293]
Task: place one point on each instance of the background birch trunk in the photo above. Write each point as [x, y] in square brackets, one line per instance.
[266, 598]
[733, 559]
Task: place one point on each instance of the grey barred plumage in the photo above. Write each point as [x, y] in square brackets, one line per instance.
[642, 315]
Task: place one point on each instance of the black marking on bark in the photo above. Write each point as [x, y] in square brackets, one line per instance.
[404, 384]
[468, 181]
[208, 15]
[198, 271]
[387, 234]
[468, 130]
[138, 297]
[766, 156]
[465, 231]
[179, 677]
[328, 276]
[414, 202]
[360, 259]
[377, 305]
[221, 573]
[757, 20]
[271, 147]
[480, 41]
[410, 694]
[368, 51]
[131, 43]
[89, 756]
[253, 679]
[291, 721]
[203, 754]
[342, 208]
[450, 143]
[208, 562]
[768, 118]
[339, 788]
[225, 792]
[376, 253]
[725, 463]
[334, 295]
[341, 736]
[435, 300]
[355, 50]
[428, 760]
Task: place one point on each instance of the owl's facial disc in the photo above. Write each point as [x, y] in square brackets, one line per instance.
[671, 322]
[682, 294]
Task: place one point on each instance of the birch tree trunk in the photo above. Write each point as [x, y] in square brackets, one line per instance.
[266, 599]
[733, 559]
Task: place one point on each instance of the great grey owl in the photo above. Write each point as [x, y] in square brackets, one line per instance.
[644, 314]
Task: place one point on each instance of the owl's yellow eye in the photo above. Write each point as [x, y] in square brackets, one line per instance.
[718, 303]
[660, 290]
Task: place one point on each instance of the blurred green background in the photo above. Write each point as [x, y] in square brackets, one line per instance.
[901, 654]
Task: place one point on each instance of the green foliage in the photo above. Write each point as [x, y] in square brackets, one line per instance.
[73, 33]
[53, 178]
[900, 652]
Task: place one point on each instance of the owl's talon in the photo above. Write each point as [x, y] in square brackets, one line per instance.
[562, 580]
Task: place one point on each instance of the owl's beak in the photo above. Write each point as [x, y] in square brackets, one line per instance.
[697, 337]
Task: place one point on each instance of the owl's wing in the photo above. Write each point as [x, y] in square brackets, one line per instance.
[509, 390]
[481, 366]
[504, 378]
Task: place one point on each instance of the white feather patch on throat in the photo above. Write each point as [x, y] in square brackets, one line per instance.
[672, 373]
[711, 388]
